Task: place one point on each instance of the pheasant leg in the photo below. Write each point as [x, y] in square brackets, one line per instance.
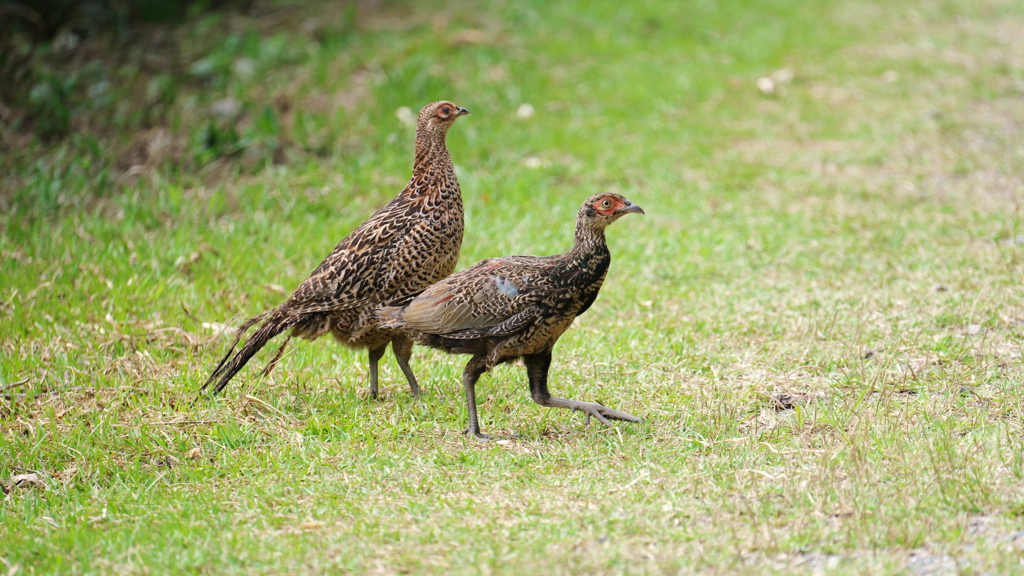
[537, 366]
[402, 347]
[375, 356]
[474, 369]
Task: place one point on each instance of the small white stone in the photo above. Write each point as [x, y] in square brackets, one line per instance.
[226, 107]
[244, 68]
[217, 328]
[766, 85]
[406, 116]
[782, 76]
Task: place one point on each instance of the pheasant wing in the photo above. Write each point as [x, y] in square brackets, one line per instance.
[494, 297]
[419, 255]
[511, 325]
[346, 278]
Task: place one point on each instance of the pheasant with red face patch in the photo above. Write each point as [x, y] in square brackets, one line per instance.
[502, 309]
[406, 246]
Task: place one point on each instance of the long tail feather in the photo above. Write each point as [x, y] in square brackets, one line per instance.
[280, 352]
[271, 324]
[238, 336]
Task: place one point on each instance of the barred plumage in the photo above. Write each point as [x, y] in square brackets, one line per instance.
[502, 309]
[407, 245]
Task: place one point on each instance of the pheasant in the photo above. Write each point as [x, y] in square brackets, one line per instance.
[406, 246]
[501, 309]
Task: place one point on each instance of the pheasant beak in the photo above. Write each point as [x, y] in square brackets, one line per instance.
[630, 207]
[462, 112]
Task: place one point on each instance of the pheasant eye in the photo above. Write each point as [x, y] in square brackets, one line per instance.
[606, 203]
[446, 110]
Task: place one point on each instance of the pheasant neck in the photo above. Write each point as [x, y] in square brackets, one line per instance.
[431, 152]
[584, 271]
[588, 241]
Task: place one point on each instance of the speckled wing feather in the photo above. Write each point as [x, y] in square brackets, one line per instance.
[495, 297]
[341, 281]
[515, 323]
[392, 256]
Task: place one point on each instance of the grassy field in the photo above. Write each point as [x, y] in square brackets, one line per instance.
[819, 319]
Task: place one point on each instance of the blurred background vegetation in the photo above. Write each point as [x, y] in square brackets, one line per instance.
[76, 76]
[37, 34]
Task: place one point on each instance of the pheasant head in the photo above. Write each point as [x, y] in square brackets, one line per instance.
[433, 123]
[602, 209]
[437, 117]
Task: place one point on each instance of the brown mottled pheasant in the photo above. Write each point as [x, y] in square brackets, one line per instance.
[406, 246]
[501, 309]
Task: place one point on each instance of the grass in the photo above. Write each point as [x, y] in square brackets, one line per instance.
[819, 319]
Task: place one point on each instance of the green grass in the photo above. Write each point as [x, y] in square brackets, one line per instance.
[852, 239]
